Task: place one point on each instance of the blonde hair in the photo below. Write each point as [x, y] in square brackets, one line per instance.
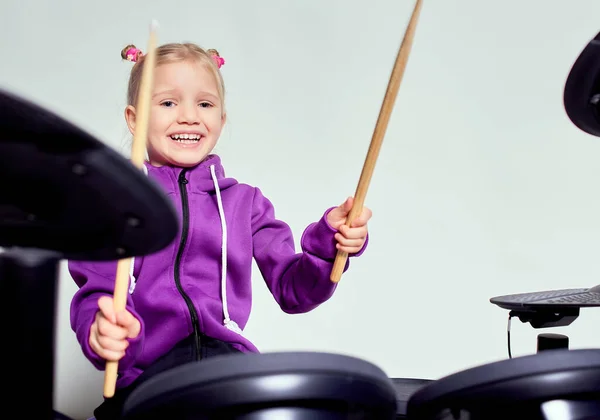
[173, 53]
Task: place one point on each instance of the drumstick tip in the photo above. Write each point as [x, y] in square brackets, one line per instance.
[154, 25]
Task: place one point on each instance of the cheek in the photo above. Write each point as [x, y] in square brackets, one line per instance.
[158, 125]
[216, 122]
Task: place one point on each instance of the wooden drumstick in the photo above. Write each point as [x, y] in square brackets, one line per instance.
[138, 153]
[378, 134]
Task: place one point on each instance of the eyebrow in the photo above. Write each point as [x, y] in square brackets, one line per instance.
[163, 92]
[171, 91]
[204, 93]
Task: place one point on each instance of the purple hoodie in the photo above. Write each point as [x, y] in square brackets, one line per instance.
[180, 290]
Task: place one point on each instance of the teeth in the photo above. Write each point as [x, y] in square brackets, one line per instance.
[180, 137]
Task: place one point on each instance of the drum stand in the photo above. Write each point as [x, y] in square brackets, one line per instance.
[546, 318]
[28, 278]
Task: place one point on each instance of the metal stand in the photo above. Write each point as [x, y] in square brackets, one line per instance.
[28, 278]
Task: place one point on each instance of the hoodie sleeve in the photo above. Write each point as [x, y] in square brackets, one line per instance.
[97, 279]
[299, 282]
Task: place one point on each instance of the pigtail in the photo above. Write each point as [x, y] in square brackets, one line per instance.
[131, 53]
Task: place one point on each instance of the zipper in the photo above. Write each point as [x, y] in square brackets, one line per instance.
[182, 181]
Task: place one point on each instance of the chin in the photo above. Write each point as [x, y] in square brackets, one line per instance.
[187, 164]
[184, 157]
[187, 161]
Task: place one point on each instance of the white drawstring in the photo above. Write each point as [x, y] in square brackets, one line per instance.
[228, 322]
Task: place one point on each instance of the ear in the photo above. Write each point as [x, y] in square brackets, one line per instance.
[130, 118]
[223, 120]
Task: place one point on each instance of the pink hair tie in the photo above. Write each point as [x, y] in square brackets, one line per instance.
[219, 61]
[133, 54]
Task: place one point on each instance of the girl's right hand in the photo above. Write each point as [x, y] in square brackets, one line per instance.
[110, 330]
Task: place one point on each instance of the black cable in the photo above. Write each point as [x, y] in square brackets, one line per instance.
[510, 315]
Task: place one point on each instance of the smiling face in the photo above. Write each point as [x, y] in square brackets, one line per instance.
[186, 114]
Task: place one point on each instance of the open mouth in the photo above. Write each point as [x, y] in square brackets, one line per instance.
[186, 138]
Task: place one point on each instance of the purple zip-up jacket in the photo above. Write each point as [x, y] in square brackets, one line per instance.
[179, 288]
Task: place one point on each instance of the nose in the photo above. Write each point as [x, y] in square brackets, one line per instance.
[188, 114]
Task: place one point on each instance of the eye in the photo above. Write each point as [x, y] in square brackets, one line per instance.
[168, 104]
[206, 104]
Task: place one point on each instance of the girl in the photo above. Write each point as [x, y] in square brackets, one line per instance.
[192, 299]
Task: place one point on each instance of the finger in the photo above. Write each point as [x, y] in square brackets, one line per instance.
[107, 329]
[99, 350]
[113, 356]
[110, 344]
[349, 249]
[126, 319]
[345, 242]
[130, 323]
[347, 205]
[343, 209]
[107, 307]
[353, 233]
[363, 218]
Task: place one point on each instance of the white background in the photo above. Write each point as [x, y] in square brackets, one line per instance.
[483, 186]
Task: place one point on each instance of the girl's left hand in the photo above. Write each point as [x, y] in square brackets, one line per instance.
[352, 238]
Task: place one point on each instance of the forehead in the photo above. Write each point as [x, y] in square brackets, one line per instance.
[184, 75]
